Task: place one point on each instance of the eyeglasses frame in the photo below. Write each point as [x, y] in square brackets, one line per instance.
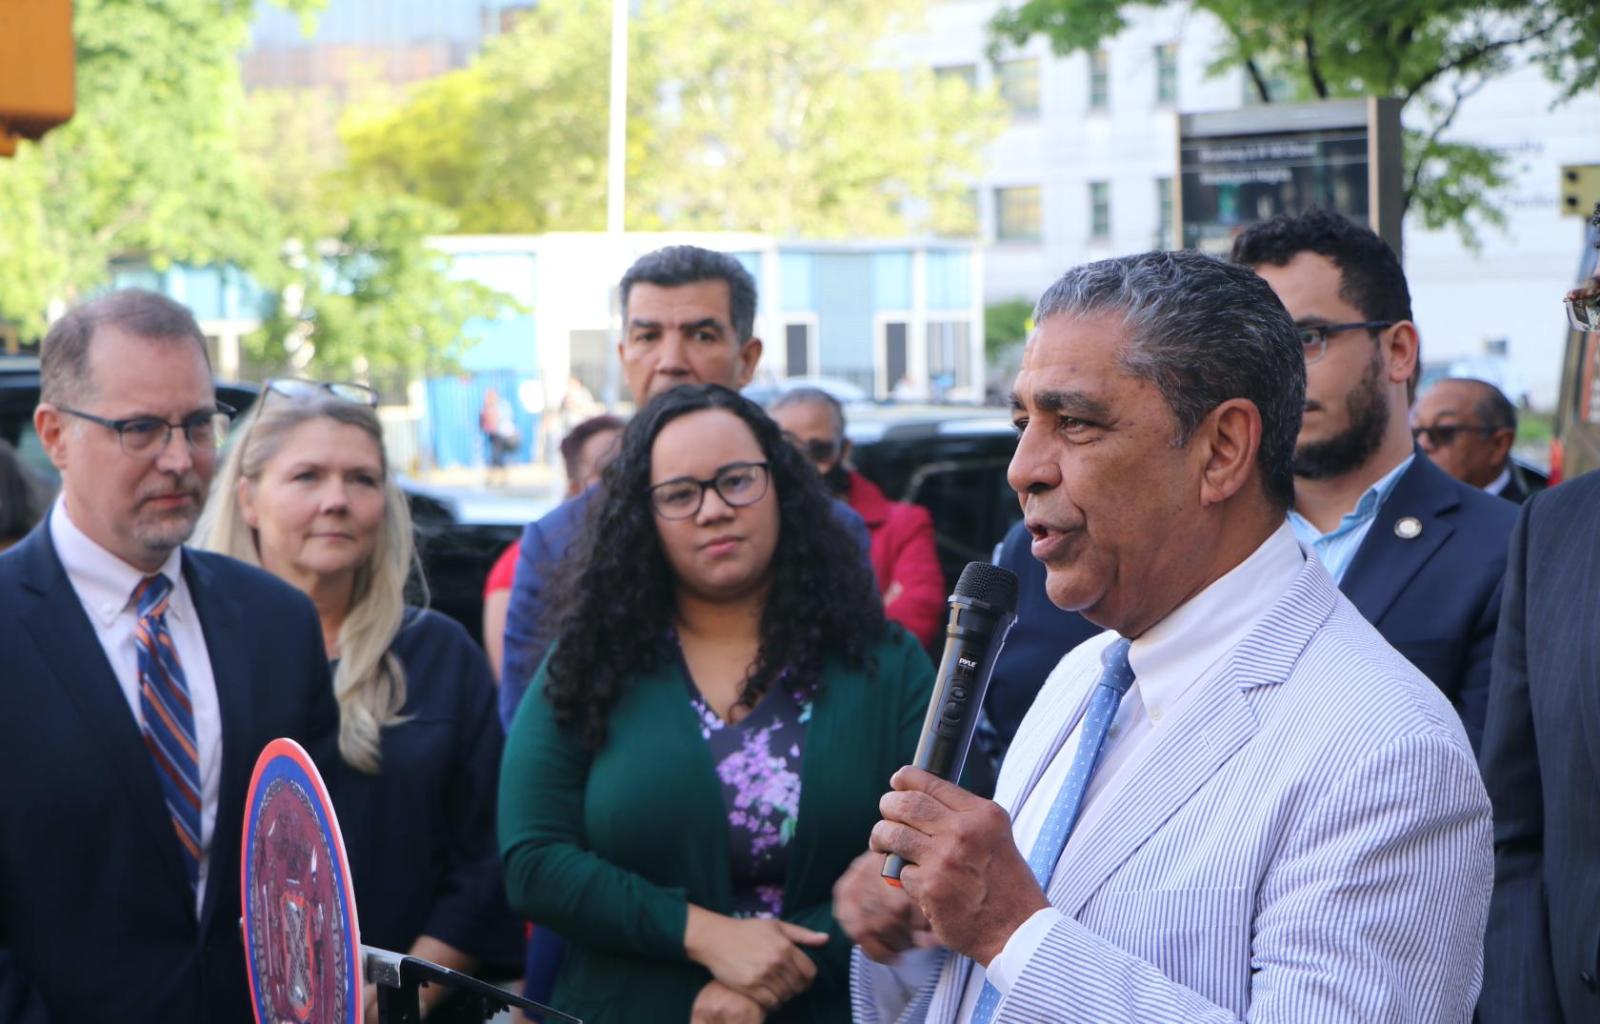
[120, 426]
[1321, 331]
[711, 484]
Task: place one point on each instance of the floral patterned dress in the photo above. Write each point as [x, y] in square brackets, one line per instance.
[758, 761]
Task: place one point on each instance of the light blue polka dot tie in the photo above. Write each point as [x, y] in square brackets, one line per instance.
[1116, 676]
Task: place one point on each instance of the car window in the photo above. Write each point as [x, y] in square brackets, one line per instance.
[972, 506]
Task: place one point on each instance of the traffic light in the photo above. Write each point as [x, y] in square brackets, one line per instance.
[1580, 189]
[36, 69]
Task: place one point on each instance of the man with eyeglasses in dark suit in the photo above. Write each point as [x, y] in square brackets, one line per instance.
[139, 680]
[1421, 554]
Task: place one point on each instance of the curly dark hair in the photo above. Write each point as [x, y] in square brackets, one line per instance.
[617, 593]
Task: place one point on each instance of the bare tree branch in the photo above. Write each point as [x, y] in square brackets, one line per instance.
[1461, 92]
[1472, 56]
[1318, 84]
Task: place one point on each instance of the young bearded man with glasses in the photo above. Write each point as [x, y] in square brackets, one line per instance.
[141, 679]
[1420, 554]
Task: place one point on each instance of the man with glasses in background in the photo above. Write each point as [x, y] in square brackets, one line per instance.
[1467, 427]
[141, 680]
[1421, 554]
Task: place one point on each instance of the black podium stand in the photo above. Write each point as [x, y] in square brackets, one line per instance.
[399, 977]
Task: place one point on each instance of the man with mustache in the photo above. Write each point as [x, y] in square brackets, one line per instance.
[1421, 554]
[140, 681]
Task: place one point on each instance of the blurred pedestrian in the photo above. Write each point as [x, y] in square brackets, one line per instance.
[1422, 555]
[1467, 427]
[142, 679]
[307, 494]
[585, 451]
[904, 556]
[703, 749]
[21, 498]
[498, 425]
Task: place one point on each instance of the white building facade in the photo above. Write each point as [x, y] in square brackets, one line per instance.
[1084, 171]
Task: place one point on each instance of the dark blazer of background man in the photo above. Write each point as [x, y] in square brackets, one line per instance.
[98, 919]
[1541, 764]
[1420, 554]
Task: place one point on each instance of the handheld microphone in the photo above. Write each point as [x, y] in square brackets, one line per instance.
[982, 610]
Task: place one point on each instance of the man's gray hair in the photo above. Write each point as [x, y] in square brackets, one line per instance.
[1203, 332]
[64, 353]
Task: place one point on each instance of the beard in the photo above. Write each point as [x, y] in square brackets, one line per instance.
[161, 532]
[1368, 415]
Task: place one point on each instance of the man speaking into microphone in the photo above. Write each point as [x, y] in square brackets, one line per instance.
[1236, 803]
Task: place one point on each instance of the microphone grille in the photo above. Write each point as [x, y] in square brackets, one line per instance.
[990, 584]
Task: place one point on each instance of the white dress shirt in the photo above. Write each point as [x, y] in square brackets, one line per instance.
[1169, 662]
[104, 584]
[1498, 484]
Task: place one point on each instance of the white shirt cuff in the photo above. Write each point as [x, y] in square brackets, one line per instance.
[895, 985]
[1008, 965]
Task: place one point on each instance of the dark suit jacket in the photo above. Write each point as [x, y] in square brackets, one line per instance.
[1541, 764]
[1436, 596]
[1042, 636]
[544, 543]
[96, 914]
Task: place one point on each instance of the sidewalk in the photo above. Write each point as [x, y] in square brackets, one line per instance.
[523, 480]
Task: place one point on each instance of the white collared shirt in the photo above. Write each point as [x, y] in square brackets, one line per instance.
[1498, 484]
[1170, 662]
[104, 584]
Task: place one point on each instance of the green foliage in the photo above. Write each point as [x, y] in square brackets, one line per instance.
[758, 117]
[167, 162]
[1433, 54]
[374, 298]
[1006, 324]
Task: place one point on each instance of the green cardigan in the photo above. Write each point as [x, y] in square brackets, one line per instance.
[610, 848]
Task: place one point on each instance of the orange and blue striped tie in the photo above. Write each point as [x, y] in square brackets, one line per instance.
[168, 717]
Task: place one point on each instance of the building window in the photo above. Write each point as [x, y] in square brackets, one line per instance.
[1018, 214]
[1099, 80]
[1019, 86]
[1100, 210]
[896, 361]
[1164, 238]
[1167, 74]
[967, 73]
[797, 349]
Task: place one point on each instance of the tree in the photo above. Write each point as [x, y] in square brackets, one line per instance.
[760, 117]
[147, 167]
[1432, 54]
[167, 162]
[356, 289]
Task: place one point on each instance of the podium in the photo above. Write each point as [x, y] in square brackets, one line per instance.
[302, 940]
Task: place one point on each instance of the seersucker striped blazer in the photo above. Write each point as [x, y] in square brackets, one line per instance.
[1312, 845]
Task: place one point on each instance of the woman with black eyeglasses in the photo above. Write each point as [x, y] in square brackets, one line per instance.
[306, 493]
[702, 752]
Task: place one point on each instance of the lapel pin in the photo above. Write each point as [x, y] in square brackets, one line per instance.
[1408, 528]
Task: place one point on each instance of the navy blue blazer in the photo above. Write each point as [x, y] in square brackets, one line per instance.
[1042, 636]
[1541, 760]
[544, 543]
[96, 915]
[420, 834]
[1435, 594]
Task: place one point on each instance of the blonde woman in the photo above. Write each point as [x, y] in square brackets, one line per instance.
[306, 494]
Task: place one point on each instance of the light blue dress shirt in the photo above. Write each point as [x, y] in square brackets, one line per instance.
[1337, 548]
